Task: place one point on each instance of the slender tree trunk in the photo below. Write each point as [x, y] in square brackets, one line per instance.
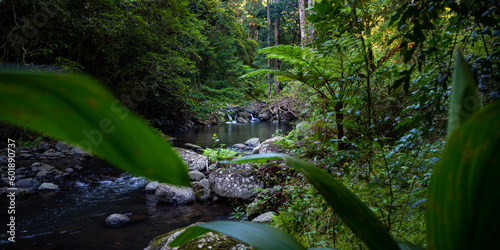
[276, 43]
[302, 22]
[268, 45]
[339, 119]
[310, 4]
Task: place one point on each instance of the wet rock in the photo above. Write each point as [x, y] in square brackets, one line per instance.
[174, 195]
[27, 183]
[235, 183]
[193, 147]
[245, 114]
[239, 146]
[69, 170]
[3, 159]
[151, 187]
[42, 147]
[116, 220]
[46, 186]
[55, 172]
[269, 146]
[265, 217]
[242, 120]
[193, 160]
[202, 190]
[265, 115]
[42, 174]
[252, 142]
[196, 175]
[66, 148]
[51, 153]
[37, 167]
[287, 117]
[210, 240]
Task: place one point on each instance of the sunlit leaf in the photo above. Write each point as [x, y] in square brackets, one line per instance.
[78, 110]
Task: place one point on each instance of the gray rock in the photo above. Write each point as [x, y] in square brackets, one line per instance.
[46, 186]
[245, 115]
[235, 183]
[253, 142]
[151, 187]
[239, 146]
[69, 170]
[265, 115]
[196, 175]
[41, 174]
[193, 160]
[37, 166]
[3, 159]
[174, 195]
[55, 172]
[66, 148]
[193, 147]
[51, 153]
[202, 190]
[27, 183]
[241, 120]
[287, 116]
[42, 147]
[116, 220]
[265, 217]
[269, 146]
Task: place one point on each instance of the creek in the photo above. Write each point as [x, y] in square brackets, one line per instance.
[74, 218]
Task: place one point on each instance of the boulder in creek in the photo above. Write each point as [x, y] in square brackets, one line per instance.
[194, 147]
[37, 167]
[51, 153]
[27, 183]
[174, 195]
[242, 120]
[252, 142]
[265, 115]
[116, 220]
[66, 148]
[46, 186]
[196, 175]
[211, 240]
[151, 187]
[265, 217]
[235, 183]
[193, 160]
[202, 190]
[269, 146]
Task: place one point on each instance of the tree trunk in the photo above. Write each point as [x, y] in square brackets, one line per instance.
[310, 4]
[302, 22]
[268, 45]
[276, 43]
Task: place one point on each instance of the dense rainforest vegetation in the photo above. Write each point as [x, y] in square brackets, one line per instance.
[369, 79]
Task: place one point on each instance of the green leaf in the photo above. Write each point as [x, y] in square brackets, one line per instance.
[464, 98]
[463, 194]
[78, 110]
[353, 212]
[258, 235]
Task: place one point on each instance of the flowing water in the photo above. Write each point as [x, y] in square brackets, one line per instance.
[74, 219]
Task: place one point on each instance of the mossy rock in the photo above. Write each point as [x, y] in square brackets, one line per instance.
[210, 240]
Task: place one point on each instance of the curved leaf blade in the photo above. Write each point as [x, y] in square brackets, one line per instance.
[78, 110]
[260, 236]
[464, 98]
[463, 194]
[353, 212]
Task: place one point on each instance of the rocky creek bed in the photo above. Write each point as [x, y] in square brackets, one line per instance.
[56, 182]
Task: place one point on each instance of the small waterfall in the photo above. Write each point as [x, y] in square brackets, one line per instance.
[230, 118]
[253, 118]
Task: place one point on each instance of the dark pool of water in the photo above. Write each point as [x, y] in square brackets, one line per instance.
[230, 134]
[75, 219]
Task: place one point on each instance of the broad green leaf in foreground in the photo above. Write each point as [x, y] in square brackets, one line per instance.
[78, 110]
[464, 192]
[258, 235]
[464, 98]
